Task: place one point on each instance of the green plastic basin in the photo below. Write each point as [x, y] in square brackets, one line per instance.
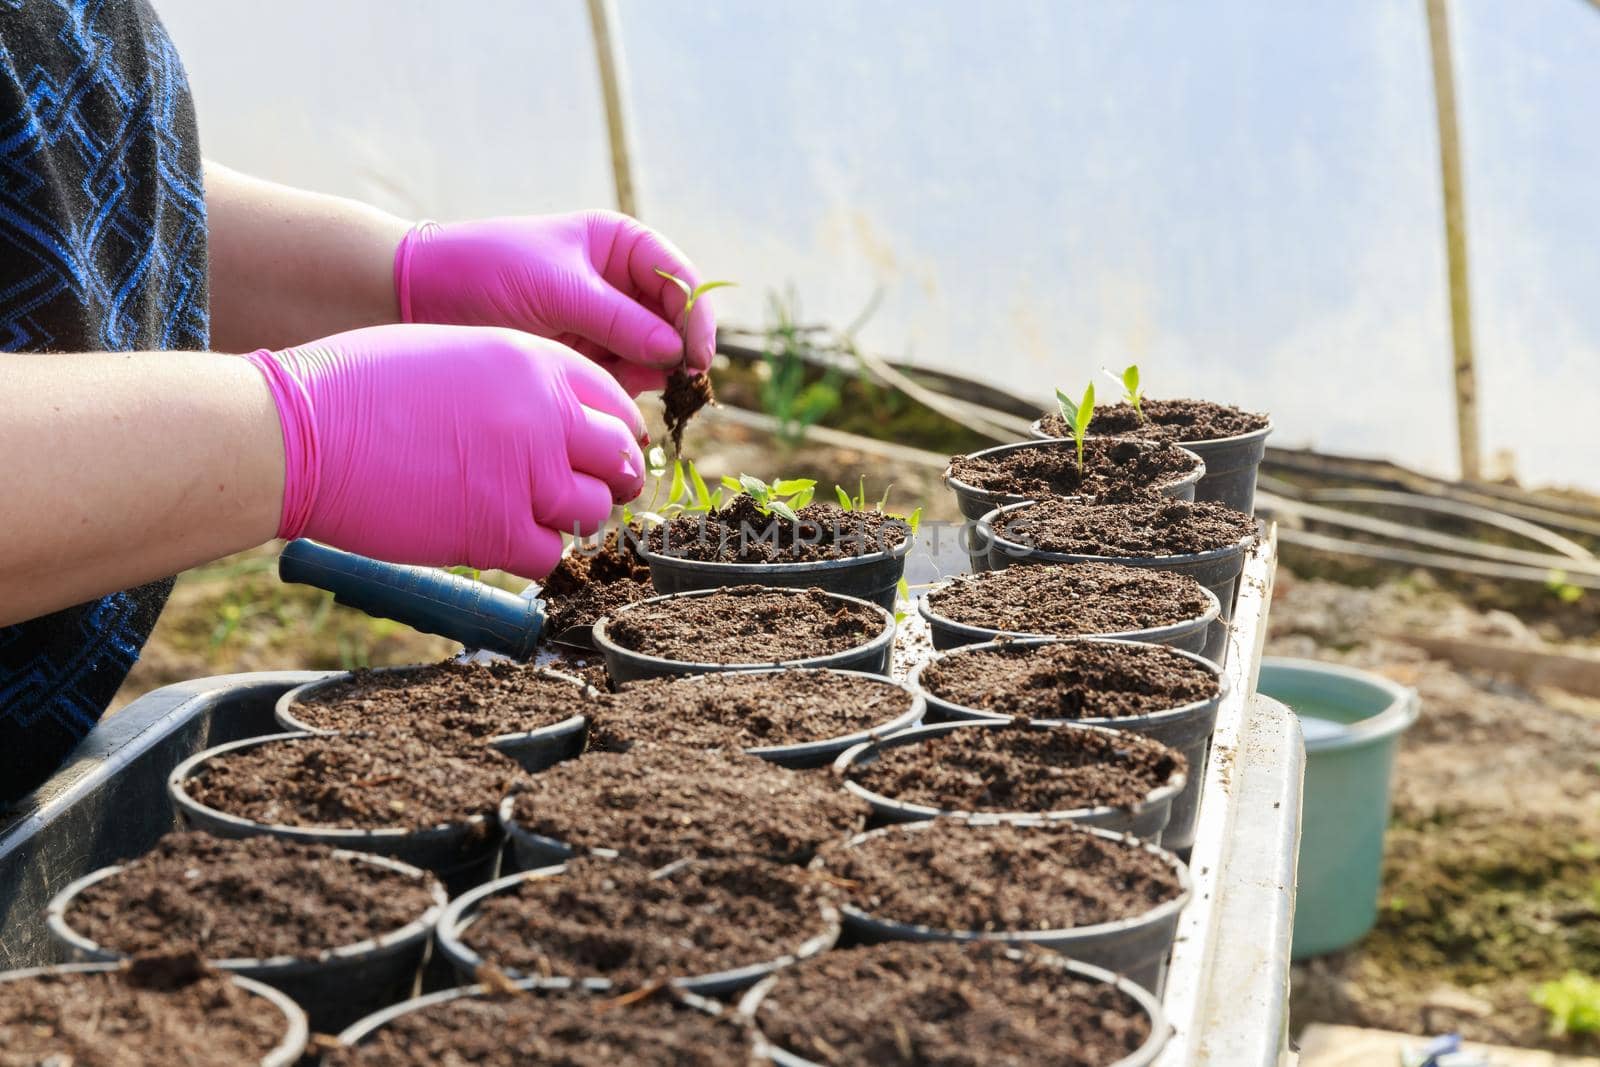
[1352, 721]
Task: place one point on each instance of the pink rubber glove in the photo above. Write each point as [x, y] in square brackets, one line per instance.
[587, 280]
[450, 444]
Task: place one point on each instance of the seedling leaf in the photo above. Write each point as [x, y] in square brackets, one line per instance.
[778, 507]
[844, 497]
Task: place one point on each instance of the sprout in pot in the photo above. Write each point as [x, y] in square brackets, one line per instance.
[156, 1009]
[1230, 441]
[655, 803]
[686, 395]
[961, 1005]
[1102, 898]
[1097, 468]
[340, 932]
[514, 1028]
[1069, 600]
[797, 718]
[710, 926]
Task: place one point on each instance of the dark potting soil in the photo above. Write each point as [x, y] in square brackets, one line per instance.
[925, 1004]
[1138, 529]
[254, 897]
[448, 702]
[155, 1012]
[1018, 769]
[359, 781]
[746, 624]
[1113, 468]
[623, 921]
[683, 398]
[738, 711]
[956, 875]
[659, 803]
[1064, 599]
[1071, 680]
[738, 532]
[1165, 420]
[568, 1030]
[588, 584]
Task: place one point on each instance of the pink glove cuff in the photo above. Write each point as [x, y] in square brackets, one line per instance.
[402, 265]
[301, 454]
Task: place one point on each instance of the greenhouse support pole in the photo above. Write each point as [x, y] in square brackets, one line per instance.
[608, 55]
[1455, 237]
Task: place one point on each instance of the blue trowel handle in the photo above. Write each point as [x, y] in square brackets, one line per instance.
[433, 601]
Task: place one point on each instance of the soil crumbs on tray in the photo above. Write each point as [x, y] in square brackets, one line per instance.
[746, 624]
[1165, 420]
[619, 920]
[1071, 598]
[253, 897]
[738, 532]
[1112, 468]
[659, 803]
[448, 702]
[1137, 529]
[955, 875]
[158, 1010]
[1071, 680]
[354, 780]
[949, 1005]
[739, 711]
[1021, 769]
[593, 581]
[572, 1030]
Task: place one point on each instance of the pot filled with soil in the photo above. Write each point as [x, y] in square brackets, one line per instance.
[742, 627]
[393, 795]
[792, 717]
[536, 716]
[1151, 690]
[706, 926]
[514, 1028]
[1113, 468]
[954, 1004]
[592, 581]
[342, 933]
[1207, 542]
[1070, 600]
[857, 553]
[154, 1010]
[1230, 441]
[655, 803]
[1009, 770]
[1103, 898]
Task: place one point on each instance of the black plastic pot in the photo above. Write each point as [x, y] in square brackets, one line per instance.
[1147, 820]
[872, 577]
[624, 665]
[288, 1051]
[806, 755]
[1217, 569]
[335, 988]
[1231, 465]
[462, 854]
[1136, 947]
[975, 502]
[459, 915]
[535, 852]
[534, 750]
[750, 1003]
[1186, 728]
[1190, 635]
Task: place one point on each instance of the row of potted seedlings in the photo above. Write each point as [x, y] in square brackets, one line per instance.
[709, 830]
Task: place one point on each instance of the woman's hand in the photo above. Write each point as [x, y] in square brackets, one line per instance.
[587, 280]
[450, 444]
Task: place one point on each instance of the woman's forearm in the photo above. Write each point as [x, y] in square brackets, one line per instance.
[289, 265]
[120, 468]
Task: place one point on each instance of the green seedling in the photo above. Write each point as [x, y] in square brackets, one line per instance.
[783, 497]
[690, 295]
[859, 502]
[686, 490]
[1573, 1004]
[1078, 417]
[902, 601]
[1131, 391]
